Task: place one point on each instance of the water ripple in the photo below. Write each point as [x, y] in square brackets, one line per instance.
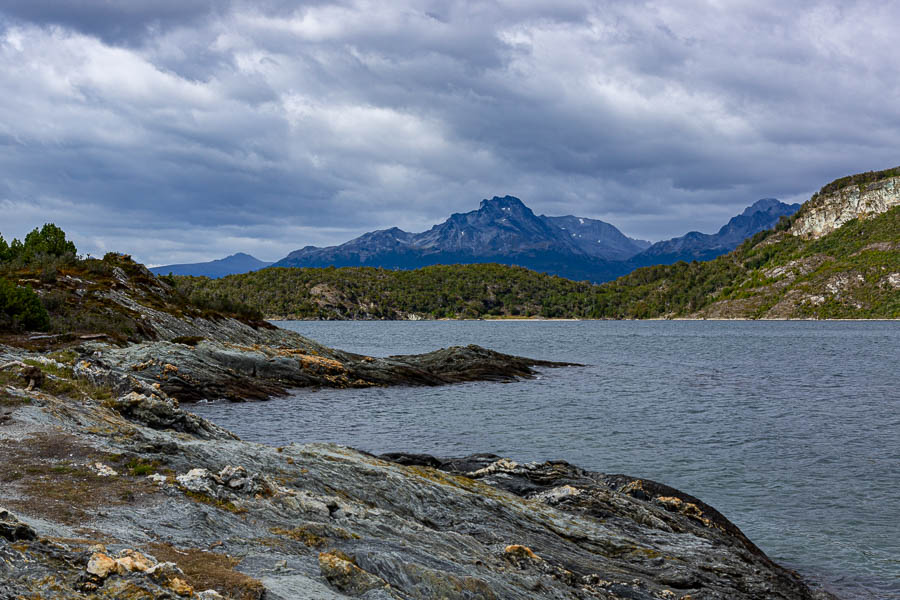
[791, 429]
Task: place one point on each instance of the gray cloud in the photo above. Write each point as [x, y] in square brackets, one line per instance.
[187, 130]
[119, 21]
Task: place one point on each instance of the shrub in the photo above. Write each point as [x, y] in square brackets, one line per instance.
[21, 308]
[54, 300]
[95, 266]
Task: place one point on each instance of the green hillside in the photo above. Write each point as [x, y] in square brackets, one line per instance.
[441, 291]
[851, 273]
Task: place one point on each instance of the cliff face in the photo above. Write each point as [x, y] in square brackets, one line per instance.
[841, 259]
[826, 212]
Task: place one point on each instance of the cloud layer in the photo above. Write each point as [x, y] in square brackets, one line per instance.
[186, 130]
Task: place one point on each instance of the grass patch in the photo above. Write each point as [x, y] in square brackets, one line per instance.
[221, 504]
[63, 372]
[72, 495]
[7, 400]
[47, 470]
[10, 476]
[66, 357]
[61, 381]
[302, 534]
[210, 570]
[139, 467]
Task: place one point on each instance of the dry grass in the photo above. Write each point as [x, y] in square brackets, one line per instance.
[302, 534]
[9, 401]
[50, 472]
[210, 570]
[217, 503]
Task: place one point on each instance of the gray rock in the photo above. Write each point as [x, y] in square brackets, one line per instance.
[163, 413]
[14, 530]
[323, 517]
[214, 370]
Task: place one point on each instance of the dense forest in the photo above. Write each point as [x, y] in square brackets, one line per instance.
[749, 282]
[440, 291]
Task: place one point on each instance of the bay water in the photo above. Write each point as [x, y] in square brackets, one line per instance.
[791, 429]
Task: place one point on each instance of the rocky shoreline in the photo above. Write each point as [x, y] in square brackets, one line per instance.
[111, 490]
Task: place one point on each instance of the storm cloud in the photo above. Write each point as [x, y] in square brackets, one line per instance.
[185, 130]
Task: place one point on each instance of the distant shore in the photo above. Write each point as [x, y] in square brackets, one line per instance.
[546, 319]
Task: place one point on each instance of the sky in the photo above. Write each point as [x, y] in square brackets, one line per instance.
[187, 130]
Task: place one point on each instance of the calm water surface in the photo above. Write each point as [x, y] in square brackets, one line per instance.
[790, 429]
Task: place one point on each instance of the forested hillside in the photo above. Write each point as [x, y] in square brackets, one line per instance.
[851, 273]
[441, 291]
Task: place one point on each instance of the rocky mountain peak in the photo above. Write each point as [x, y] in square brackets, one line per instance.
[503, 229]
[694, 245]
[393, 233]
[762, 205]
[505, 203]
[499, 225]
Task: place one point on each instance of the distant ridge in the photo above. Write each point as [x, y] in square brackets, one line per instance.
[504, 230]
[759, 216]
[230, 265]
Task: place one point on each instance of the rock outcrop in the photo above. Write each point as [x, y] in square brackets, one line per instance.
[119, 498]
[828, 211]
[211, 370]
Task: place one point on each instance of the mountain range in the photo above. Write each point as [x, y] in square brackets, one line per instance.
[837, 257]
[504, 230]
[230, 265]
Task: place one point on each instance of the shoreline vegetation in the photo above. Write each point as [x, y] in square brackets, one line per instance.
[573, 320]
[852, 273]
